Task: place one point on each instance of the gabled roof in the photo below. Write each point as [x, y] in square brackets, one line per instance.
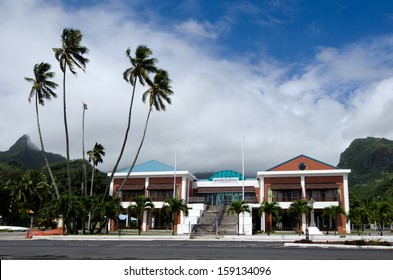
[293, 164]
[149, 166]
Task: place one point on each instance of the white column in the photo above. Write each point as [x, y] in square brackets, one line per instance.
[111, 187]
[261, 198]
[303, 184]
[346, 203]
[144, 222]
[146, 185]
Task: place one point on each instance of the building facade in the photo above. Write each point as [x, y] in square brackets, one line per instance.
[301, 177]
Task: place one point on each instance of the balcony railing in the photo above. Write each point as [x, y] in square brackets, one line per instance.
[316, 198]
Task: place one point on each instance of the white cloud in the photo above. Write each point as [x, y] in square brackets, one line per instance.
[216, 101]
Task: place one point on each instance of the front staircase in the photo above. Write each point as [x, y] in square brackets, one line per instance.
[207, 223]
[228, 224]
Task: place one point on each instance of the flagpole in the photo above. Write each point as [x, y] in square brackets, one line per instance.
[174, 179]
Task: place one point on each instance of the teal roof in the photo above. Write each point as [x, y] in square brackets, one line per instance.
[150, 166]
[226, 174]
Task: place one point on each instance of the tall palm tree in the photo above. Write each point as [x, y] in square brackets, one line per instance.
[84, 177]
[138, 205]
[238, 207]
[142, 65]
[42, 90]
[95, 156]
[334, 211]
[299, 207]
[69, 55]
[174, 206]
[271, 209]
[382, 212]
[159, 91]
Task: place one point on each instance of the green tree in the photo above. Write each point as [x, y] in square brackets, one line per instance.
[159, 91]
[69, 55]
[29, 191]
[72, 208]
[381, 213]
[271, 209]
[141, 65]
[358, 217]
[139, 205]
[95, 156]
[42, 90]
[238, 207]
[297, 208]
[333, 212]
[173, 206]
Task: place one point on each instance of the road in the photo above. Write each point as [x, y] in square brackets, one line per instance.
[26, 249]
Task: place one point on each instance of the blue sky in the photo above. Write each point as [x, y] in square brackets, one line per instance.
[292, 77]
[286, 30]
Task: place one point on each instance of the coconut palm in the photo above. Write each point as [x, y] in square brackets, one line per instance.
[138, 205]
[42, 90]
[84, 177]
[333, 212]
[159, 91]
[70, 55]
[238, 207]
[299, 207]
[271, 209]
[95, 156]
[142, 65]
[173, 206]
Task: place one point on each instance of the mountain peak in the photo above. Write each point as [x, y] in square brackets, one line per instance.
[26, 155]
[23, 143]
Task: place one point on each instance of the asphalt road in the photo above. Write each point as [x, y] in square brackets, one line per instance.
[25, 249]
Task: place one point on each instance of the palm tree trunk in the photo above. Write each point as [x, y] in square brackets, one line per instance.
[66, 134]
[125, 138]
[92, 180]
[43, 150]
[137, 154]
[84, 175]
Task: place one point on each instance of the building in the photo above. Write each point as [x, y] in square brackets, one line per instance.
[301, 177]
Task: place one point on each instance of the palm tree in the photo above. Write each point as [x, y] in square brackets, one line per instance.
[334, 211]
[174, 206]
[382, 212]
[29, 191]
[299, 207]
[358, 216]
[95, 156]
[138, 205]
[271, 209]
[142, 65]
[70, 55]
[84, 177]
[159, 91]
[42, 89]
[238, 207]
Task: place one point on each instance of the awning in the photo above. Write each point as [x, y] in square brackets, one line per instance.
[286, 187]
[160, 187]
[225, 190]
[133, 187]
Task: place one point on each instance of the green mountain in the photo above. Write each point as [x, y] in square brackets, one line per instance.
[25, 155]
[371, 162]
